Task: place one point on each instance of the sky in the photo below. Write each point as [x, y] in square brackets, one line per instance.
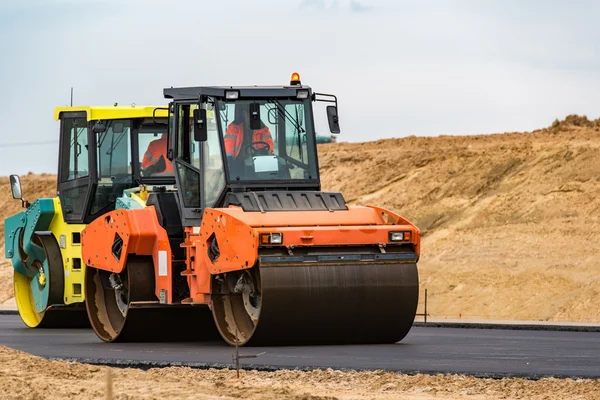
[398, 67]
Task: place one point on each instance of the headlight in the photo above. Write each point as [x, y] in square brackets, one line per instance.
[231, 95]
[399, 236]
[276, 238]
[271, 238]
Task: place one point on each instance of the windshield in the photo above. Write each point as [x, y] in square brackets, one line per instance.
[281, 145]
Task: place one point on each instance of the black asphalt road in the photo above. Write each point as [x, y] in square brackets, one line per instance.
[479, 352]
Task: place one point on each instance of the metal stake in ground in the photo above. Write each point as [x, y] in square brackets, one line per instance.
[425, 311]
[237, 356]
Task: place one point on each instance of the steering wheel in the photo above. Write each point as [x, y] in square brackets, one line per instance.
[155, 168]
[263, 151]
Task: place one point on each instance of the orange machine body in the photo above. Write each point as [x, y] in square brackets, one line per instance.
[139, 233]
[237, 233]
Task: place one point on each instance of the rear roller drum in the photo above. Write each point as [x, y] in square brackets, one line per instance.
[106, 305]
[237, 304]
[112, 310]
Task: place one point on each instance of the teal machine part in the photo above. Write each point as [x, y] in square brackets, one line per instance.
[125, 202]
[26, 249]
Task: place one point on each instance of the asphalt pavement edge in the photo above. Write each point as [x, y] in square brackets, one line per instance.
[511, 326]
[475, 325]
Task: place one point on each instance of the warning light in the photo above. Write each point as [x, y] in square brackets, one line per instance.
[295, 79]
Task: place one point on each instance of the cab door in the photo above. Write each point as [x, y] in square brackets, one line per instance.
[187, 175]
[74, 182]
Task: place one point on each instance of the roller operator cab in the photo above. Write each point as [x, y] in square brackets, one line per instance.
[97, 149]
[260, 139]
[248, 247]
[102, 154]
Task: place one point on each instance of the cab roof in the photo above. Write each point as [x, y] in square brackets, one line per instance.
[117, 112]
[193, 93]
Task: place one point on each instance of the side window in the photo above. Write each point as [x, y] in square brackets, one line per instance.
[183, 121]
[212, 165]
[295, 137]
[73, 202]
[188, 179]
[189, 185]
[180, 119]
[75, 149]
[194, 146]
[113, 151]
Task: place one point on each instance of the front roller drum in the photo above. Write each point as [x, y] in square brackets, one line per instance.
[317, 304]
[55, 316]
[39, 297]
[123, 308]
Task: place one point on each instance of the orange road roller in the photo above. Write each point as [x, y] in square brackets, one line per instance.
[245, 245]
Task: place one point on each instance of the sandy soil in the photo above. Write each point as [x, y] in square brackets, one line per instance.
[25, 377]
[510, 221]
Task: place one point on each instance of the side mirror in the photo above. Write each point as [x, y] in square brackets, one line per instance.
[17, 192]
[15, 185]
[200, 126]
[332, 118]
[255, 122]
[99, 127]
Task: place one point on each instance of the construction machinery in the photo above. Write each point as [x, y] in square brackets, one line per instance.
[245, 245]
[248, 237]
[97, 146]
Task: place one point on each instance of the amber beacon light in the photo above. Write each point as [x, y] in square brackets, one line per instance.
[295, 79]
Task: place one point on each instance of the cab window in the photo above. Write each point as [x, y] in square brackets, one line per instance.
[113, 158]
[75, 149]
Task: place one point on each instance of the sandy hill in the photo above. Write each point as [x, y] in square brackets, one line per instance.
[510, 221]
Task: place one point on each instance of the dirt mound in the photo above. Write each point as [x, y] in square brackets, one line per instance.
[572, 121]
[28, 377]
[510, 221]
